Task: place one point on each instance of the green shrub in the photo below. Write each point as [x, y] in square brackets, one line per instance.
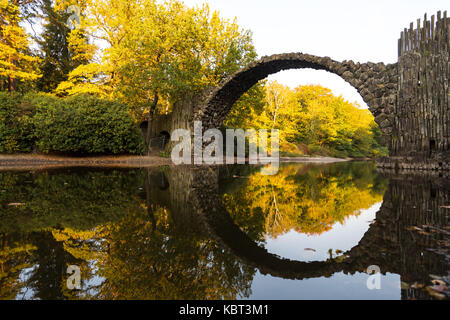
[163, 154]
[16, 127]
[86, 125]
[77, 125]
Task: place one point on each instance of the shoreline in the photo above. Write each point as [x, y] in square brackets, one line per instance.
[36, 161]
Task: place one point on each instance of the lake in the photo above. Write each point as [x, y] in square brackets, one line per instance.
[310, 232]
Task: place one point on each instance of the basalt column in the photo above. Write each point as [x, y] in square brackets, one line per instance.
[421, 116]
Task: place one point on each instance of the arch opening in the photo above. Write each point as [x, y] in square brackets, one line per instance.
[294, 78]
[164, 136]
[359, 78]
[365, 78]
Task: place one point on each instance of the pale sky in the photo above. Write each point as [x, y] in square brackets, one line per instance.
[358, 30]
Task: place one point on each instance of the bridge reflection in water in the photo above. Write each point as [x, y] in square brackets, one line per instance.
[201, 233]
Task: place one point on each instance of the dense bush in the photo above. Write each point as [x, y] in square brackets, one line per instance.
[16, 128]
[77, 125]
[85, 124]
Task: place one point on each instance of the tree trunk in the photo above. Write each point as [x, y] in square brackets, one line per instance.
[151, 114]
[11, 80]
[12, 85]
[148, 200]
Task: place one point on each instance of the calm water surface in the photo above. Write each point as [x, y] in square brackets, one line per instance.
[309, 232]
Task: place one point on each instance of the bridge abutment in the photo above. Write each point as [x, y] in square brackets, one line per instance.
[421, 115]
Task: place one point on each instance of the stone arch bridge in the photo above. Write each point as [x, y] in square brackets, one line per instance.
[376, 83]
[409, 99]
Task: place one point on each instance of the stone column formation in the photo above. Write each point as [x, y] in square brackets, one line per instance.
[421, 114]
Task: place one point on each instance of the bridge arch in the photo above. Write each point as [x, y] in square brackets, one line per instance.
[208, 206]
[376, 83]
[386, 244]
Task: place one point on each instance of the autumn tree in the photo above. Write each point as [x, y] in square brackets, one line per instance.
[61, 48]
[157, 52]
[309, 199]
[247, 110]
[310, 120]
[17, 64]
[333, 123]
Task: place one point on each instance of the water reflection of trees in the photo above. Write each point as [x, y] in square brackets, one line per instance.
[308, 199]
[135, 235]
[106, 222]
[409, 237]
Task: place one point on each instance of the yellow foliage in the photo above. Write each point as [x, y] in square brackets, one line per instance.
[16, 62]
[309, 203]
[309, 115]
[155, 51]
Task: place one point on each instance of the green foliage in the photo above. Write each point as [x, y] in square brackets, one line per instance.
[248, 107]
[81, 199]
[164, 154]
[79, 124]
[16, 134]
[101, 221]
[57, 58]
[85, 124]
